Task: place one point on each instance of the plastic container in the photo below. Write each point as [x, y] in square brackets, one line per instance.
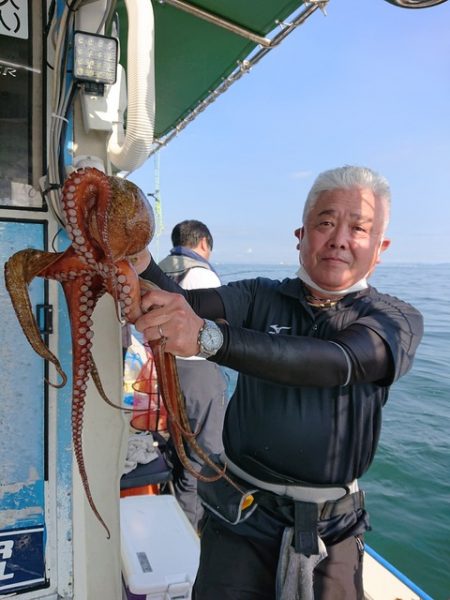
[149, 412]
[132, 367]
[159, 547]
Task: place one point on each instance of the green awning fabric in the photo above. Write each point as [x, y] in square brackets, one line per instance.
[193, 56]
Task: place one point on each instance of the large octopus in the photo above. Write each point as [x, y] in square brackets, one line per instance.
[107, 219]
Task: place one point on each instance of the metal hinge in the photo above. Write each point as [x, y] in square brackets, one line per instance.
[44, 318]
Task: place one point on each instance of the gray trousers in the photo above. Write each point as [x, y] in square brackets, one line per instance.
[237, 567]
[205, 391]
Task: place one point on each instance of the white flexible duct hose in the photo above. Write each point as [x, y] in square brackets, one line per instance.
[128, 152]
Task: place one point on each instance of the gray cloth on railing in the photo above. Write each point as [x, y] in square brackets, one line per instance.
[295, 571]
[141, 450]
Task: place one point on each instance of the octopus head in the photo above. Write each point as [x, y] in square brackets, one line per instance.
[129, 223]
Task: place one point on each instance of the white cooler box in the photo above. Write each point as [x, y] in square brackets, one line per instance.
[160, 549]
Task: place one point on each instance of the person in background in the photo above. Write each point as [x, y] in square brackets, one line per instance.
[202, 382]
[316, 356]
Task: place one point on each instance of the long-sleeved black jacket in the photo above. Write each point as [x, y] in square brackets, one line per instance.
[312, 383]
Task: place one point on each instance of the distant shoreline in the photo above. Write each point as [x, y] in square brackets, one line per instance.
[295, 265]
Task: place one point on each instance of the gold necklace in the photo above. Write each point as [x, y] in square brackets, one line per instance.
[321, 302]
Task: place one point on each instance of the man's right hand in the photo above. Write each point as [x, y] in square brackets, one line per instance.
[168, 315]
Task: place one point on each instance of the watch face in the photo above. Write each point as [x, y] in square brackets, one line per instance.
[211, 339]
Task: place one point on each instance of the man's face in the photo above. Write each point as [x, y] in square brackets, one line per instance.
[342, 238]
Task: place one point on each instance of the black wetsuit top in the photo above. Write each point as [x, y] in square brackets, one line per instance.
[294, 417]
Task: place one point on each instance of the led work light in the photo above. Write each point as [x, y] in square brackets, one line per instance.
[95, 58]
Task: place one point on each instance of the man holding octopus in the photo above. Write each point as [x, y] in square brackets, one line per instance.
[316, 357]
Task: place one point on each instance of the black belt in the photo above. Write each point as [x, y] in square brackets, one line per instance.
[304, 516]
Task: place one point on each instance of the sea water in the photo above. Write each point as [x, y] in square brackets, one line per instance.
[407, 485]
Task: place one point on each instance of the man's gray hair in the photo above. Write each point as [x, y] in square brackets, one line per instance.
[348, 177]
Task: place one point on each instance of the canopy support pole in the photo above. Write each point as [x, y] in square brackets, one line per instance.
[219, 21]
[243, 67]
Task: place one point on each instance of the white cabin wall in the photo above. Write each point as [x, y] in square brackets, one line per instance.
[97, 569]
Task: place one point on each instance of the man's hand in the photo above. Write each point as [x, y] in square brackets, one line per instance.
[169, 315]
[141, 260]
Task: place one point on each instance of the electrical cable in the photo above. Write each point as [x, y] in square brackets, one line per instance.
[62, 97]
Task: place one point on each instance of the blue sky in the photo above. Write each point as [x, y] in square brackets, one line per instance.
[368, 84]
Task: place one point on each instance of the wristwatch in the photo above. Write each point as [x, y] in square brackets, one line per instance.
[210, 339]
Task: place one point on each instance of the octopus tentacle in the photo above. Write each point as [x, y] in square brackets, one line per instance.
[77, 427]
[86, 196]
[78, 287]
[126, 286]
[98, 384]
[171, 393]
[83, 191]
[82, 295]
[178, 420]
[20, 270]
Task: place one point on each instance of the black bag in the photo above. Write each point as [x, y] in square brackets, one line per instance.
[223, 499]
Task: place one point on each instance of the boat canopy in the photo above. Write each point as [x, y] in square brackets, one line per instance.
[201, 48]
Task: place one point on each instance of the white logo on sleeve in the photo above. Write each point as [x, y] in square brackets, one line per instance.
[277, 328]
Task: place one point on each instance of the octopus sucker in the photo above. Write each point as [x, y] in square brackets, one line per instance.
[108, 219]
